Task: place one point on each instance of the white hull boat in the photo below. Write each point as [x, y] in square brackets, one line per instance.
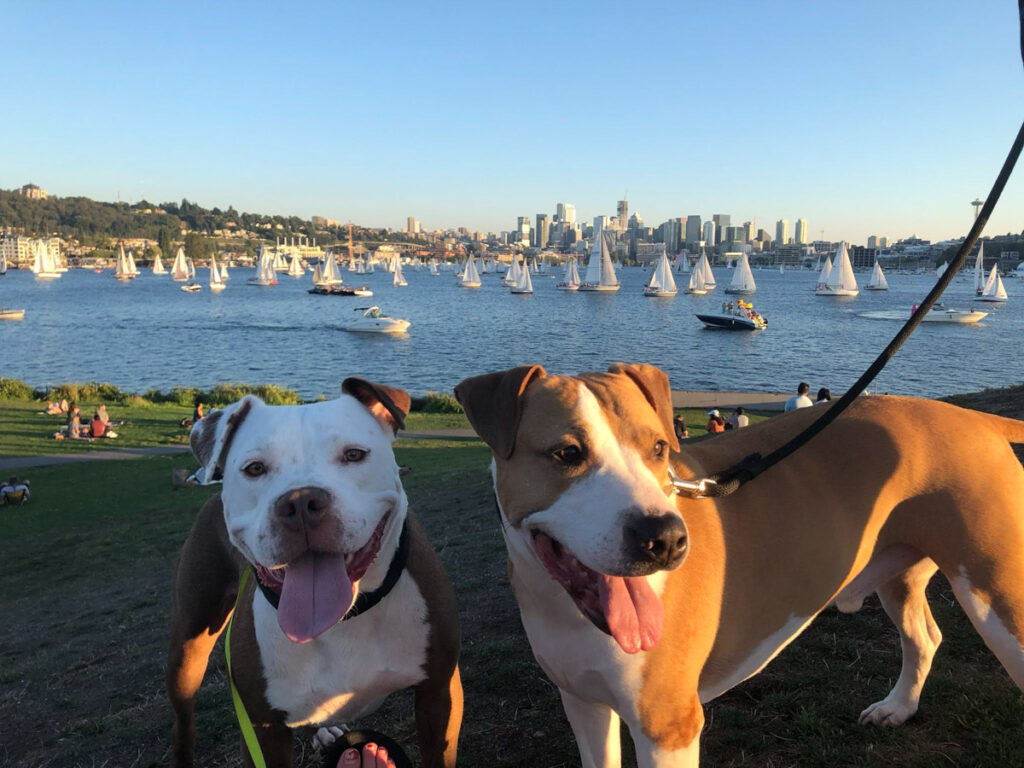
[191, 288]
[742, 279]
[470, 277]
[840, 280]
[374, 321]
[12, 314]
[941, 314]
[600, 277]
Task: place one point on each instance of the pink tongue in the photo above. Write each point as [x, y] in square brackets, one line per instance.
[633, 612]
[316, 594]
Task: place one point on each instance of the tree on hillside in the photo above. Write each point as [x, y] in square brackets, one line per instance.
[196, 246]
[165, 241]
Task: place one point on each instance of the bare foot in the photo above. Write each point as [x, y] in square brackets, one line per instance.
[372, 757]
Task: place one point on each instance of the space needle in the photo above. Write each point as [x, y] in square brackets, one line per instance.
[977, 203]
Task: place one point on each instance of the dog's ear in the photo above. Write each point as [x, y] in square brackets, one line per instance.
[211, 437]
[493, 405]
[388, 405]
[653, 382]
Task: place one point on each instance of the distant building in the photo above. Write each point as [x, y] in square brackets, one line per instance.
[671, 235]
[566, 213]
[542, 232]
[601, 223]
[748, 231]
[722, 220]
[801, 231]
[861, 257]
[789, 254]
[692, 230]
[412, 227]
[709, 233]
[622, 213]
[523, 229]
[649, 252]
[782, 232]
[32, 192]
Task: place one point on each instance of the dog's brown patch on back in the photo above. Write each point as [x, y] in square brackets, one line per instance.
[203, 439]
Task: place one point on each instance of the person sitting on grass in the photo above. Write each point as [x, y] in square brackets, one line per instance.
[75, 431]
[715, 422]
[14, 491]
[53, 408]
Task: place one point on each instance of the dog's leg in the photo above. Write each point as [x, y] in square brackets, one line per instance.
[903, 597]
[275, 741]
[205, 583]
[438, 720]
[596, 728]
[650, 755]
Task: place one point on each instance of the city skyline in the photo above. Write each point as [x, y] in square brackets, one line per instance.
[863, 120]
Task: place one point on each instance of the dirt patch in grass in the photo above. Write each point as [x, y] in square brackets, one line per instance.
[84, 599]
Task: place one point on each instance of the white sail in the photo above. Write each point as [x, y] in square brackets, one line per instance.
[44, 265]
[572, 274]
[130, 265]
[433, 268]
[179, 270]
[3, 264]
[525, 283]
[280, 265]
[399, 277]
[512, 273]
[295, 268]
[825, 269]
[840, 280]
[224, 276]
[318, 274]
[661, 278]
[216, 280]
[682, 265]
[706, 275]
[600, 271]
[979, 271]
[877, 282]
[994, 289]
[742, 278]
[470, 276]
[696, 284]
[158, 266]
[330, 274]
[121, 265]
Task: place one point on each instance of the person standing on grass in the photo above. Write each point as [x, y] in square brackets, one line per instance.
[800, 399]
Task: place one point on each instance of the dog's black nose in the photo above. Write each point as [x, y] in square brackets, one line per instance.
[302, 507]
[658, 540]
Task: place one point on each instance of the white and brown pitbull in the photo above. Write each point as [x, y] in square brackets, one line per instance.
[667, 601]
[312, 500]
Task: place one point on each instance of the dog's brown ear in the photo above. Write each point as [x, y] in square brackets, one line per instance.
[653, 382]
[493, 405]
[211, 437]
[388, 405]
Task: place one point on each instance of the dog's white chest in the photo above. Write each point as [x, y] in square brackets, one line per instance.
[349, 670]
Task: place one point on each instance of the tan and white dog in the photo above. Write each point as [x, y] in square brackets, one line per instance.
[313, 501]
[667, 601]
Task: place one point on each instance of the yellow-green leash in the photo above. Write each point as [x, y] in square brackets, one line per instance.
[244, 723]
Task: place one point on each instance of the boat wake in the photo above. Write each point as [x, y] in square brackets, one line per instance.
[883, 315]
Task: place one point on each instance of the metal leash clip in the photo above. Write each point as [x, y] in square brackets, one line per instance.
[695, 489]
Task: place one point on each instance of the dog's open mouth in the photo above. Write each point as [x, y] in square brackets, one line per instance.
[624, 607]
[318, 588]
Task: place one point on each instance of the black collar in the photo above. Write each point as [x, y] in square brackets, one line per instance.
[366, 600]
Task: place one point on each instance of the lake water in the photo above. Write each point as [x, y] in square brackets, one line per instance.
[147, 333]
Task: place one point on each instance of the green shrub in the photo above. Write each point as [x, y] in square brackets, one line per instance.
[12, 389]
[231, 392]
[436, 402]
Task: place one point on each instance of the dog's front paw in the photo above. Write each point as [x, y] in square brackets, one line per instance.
[324, 737]
[888, 713]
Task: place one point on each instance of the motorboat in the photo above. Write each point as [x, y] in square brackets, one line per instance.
[191, 287]
[735, 317]
[374, 321]
[7, 313]
[941, 314]
[341, 290]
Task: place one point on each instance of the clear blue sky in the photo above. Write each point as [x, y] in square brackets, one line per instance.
[862, 117]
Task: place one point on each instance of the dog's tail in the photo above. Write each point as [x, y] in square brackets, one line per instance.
[1011, 429]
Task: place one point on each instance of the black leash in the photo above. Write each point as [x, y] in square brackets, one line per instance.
[730, 480]
[366, 600]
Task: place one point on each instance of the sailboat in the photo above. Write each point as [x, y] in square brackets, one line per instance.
[43, 265]
[123, 268]
[433, 268]
[329, 275]
[840, 280]
[993, 290]
[696, 285]
[224, 276]
[512, 273]
[191, 286]
[158, 266]
[265, 273]
[470, 277]
[318, 273]
[979, 271]
[399, 277]
[600, 272]
[217, 283]
[941, 269]
[782, 269]
[706, 275]
[280, 265]
[823, 275]
[662, 284]
[877, 281]
[571, 279]
[682, 265]
[295, 268]
[179, 269]
[132, 269]
[525, 284]
[742, 282]
[3, 265]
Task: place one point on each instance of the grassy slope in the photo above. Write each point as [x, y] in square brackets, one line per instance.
[84, 599]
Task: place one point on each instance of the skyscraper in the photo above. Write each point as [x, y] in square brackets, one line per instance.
[565, 213]
[801, 232]
[601, 223]
[623, 213]
[692, 230]
[542, 231]
[782, 232]
[523, 229]
[709, 234]
[410, 226]
[722, 220]
[671, 232]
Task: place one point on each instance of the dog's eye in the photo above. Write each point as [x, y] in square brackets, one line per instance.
[569, 455]
[352, 455]
[659, 448]
[255, 468]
